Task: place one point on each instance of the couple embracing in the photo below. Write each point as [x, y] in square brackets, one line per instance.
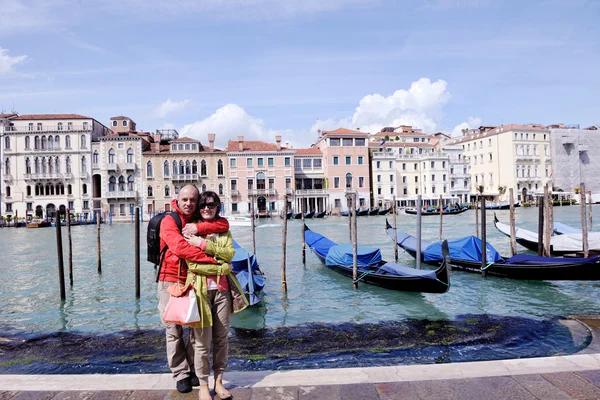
[199, 254]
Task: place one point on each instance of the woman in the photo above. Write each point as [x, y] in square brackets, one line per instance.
[219, 294]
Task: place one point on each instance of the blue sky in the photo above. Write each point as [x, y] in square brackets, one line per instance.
[260, 68]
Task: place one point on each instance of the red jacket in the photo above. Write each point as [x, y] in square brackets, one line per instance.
[180, 249]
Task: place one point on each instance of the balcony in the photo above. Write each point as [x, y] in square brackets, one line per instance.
[308, 192]
[184, 177]
[68, 176]
[111, 167]
[289, 191]
[84, 175]
[46, 176]
[122, 194]
[263, 192]
[384, 155]
[567, 140]
[234, 193]
[95, 165]
[50, 128]
[582, 147]
[130, 167]
[527, 157]
[7, 177]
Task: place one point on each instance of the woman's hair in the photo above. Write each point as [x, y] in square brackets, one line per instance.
[202, 199]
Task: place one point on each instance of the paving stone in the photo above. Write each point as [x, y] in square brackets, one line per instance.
[498, 387]
[148, 395]
[540, 387]
[175, 395]
[4, 395]
[574, 385]
[275, 393]
[591, 376]
[397, 391]
[329, 392]
[33, 395]
[73, 395]
[112, 395]
[241, 393]
[363, 391]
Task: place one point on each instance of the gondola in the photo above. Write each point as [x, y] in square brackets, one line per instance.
[465, 254]
[309, 214]
[501, 206]
[245, 265]
[373, 270]
[320, 214]
[374, 211]
[562, 229]
[413, 211]
[289, 215]
[297, 215]
[559, 245]
[362, 213]
[384, 211]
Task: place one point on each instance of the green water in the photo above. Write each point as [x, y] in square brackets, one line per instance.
[104, 303]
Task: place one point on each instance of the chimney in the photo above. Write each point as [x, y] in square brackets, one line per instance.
[241, 143]
[211, 140]
[278, 140]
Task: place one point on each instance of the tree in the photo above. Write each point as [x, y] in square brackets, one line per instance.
[480, 189]
[501, 191]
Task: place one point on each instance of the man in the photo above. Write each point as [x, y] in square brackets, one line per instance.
[180, 354]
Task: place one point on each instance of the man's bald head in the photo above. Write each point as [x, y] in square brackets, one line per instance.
[187, 199]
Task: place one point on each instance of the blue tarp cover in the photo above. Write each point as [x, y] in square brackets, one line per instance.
[401, 270]
[407, 241]
[531, 259]
[240, 260]
[319, 243]
[561, 228]
[467, 248]
[341, 254]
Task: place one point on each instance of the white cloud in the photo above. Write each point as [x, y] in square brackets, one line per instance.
[167, 125]
[420, 106]
[169, 107]
[471, 123]
[7, 62]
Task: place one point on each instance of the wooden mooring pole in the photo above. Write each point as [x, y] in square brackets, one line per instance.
[303, 236]
[419, 206]
[513, 231]
[476, 216]
[584, 231]
[349, 204]
[137, 253]
[590, 211]
[441, 216]
[252, 225]
[59, 250]
[284, 244]
[99, 259]
[395, 210]
[540, 249]
[547, 222]
[483, 238]
[354, 243]
[70, 248]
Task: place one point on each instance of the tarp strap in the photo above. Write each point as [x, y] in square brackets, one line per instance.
[362, 276]
[487, 266]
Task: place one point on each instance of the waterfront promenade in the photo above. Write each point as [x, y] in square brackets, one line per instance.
[574, 376]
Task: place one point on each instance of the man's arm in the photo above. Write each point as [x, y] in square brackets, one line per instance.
[169, 232]
[202, 228]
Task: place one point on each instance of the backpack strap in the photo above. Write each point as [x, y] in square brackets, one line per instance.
[163, 252]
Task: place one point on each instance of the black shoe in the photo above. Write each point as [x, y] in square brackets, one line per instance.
[194, 379]
[184, 385]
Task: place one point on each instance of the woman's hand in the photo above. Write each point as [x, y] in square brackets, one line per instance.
[195, 241]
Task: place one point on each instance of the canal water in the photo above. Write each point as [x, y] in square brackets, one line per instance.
[104, 304]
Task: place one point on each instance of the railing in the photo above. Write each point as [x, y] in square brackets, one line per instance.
[68, 175]
[121, 194]
[526, 157]
[47, 176]
[51, 128]
[234, 193]
[309, 169]
[130, 167]
[567, 140]
[422, 156]
[289, 191]
[264, 192]
[582, 147]
[305, 192]
[111, 166]
[7, 177]
[184, 177]
[384, 154]
[95, 165]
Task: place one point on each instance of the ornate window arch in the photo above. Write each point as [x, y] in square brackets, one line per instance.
[166, 169]
[203, 167]
[111, 156]
[149, 171]
[129, 155]
[112, 184]
[220, 170]
[150, 191]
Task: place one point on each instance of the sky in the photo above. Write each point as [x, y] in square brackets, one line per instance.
[261, 68]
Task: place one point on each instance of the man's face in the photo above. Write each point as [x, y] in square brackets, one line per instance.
[188, 200]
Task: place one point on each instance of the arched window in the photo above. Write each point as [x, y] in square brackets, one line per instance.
[220, 188]
[36, 161]
[50, 142]
[57, 164]
[27, 166]
[59, 127]
[348, 180]
[84, 188]
[50, 165]
[83, 164]
[150, 191]
[121, 183]
[167, 191]
[67, 141]
[260, 181]
[175, 172]
[129, 155]
[194, 167]
[181, 167]
[111, 156]
[28, 190]
[166, 169]
[7, 142]
[44, 143]
[44, 165]
[130, 182]
[149, 172]
[69, 189]
[220, 170]
[37, 189]
[95, 157]
[188, 168]
[83, 142]
[27, 142]
[203, 187]
[7, 166]
[7, 191]
[203, 168]
[51, 188]
[36, 143]
[112, 184]
[68, 164]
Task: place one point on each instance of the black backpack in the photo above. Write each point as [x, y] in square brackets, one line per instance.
[155, 255]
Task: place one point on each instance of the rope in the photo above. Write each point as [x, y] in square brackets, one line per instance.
[487, 266]
[447, 284]
[362, 276]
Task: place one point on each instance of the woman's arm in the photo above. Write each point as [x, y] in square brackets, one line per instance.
[208, 269]
[222, 249]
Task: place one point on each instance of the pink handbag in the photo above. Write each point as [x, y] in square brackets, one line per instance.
[183, 310]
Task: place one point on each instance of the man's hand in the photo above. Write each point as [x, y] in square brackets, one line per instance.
[189, 230]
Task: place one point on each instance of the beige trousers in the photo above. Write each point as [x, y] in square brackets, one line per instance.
[180, 349]
[220, 304]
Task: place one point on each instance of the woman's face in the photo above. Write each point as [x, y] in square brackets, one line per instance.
[208, 209]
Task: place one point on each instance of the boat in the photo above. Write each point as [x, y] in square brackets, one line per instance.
[320, 214]
[289, 215]
[309, 214]
[374, 211]
[244, 265]
[500, 206]
[559, 244]
[433, 211]
[562, 229]
[373, 270]
[37, 223]
[238, 220]
[384, 211]
[465, 254]
[297, 215]
[361, 213]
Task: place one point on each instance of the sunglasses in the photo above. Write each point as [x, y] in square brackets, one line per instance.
[212, 206]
